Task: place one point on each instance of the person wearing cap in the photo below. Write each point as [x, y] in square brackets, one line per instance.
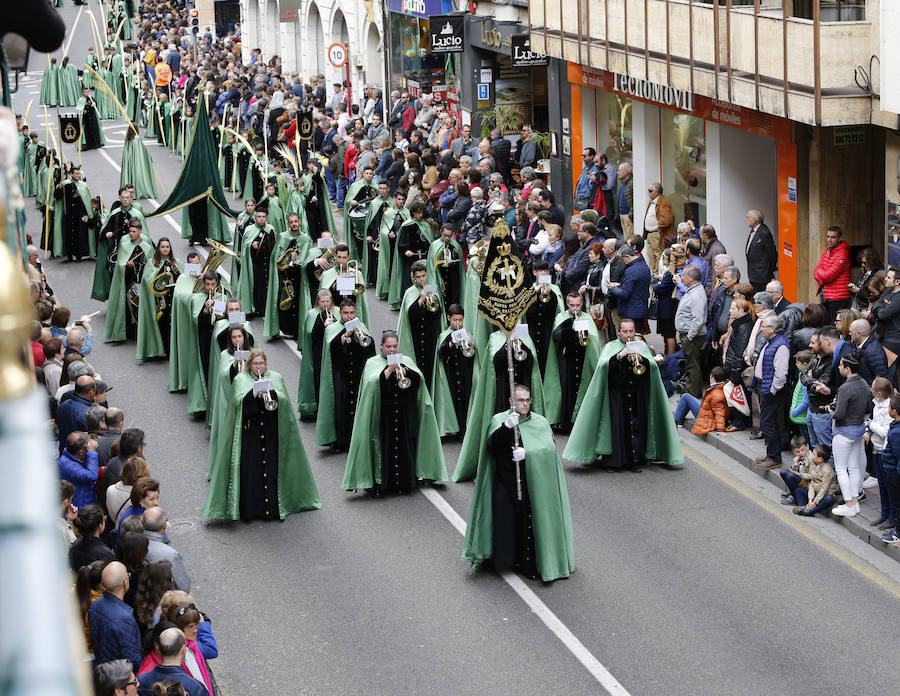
[100, 390]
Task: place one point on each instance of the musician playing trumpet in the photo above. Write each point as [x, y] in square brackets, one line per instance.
[346, 282]
[628, 422]
[395, 440]
[573, 355]
[413, 239]
[121, 313]
[310, 343]
[421, 321]
[256, 253]
[445, 266]
[346, 347]
[454, 369]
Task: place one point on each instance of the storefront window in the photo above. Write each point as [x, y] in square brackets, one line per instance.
[410, 57]
[684, 175]
[620, 146]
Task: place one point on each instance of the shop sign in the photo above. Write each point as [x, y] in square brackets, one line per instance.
[484, 91]
[413, 88]
[447, 33]
[849, 135]
[418, 8]
[681, 99]
[289, 10]
[523, 56]
[439, 93]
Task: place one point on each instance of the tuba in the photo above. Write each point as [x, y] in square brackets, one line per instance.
[159, 286]
[217, 254]
[327, 256]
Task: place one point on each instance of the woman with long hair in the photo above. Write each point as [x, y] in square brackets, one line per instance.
[89, 524]
[186, 617]
[131, 551]
[157, 290]
[87, 591]
[156, 579]
[871, 264]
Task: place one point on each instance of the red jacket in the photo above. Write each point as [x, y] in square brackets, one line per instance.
[833, 272]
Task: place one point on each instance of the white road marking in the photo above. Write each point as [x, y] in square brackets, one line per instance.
[72, 30]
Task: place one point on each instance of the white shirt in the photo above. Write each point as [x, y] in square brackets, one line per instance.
[540, 243]
[750, 237]
[650, 222]
[604, 278]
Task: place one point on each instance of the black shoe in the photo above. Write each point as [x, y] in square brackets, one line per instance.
[191, 242]
[861, 497]
[789, 500]
[888, 524]
[756, 435]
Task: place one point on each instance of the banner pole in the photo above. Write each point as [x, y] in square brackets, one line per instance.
[510, 371]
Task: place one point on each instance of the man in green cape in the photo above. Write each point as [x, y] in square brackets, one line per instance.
[272, 206]
[90, 61]
[155, 307]
[395, 438]
[542, 313]
[137, 168]
[228, 363]
[360, 194]
[311, 201]
[286, 299]
[342, 272]
[184, 332]
[628, 420]
[311, 343]
[256, 252]
[277, 177]
[69, 84]
[570, 363]
[29, 186]
[234, 317]
[492, 392]
[479, 328]
[421, 321]
[256, 175]
[89, 121]
[446, 267]
[413, 239]
[346, 347]
[261, 469]
[121, 311]
[372, 227]
[113, 228]
[454, 374]
[394, 216]
[50, 85]
[530, 533]
[76, 216]
[244, 220]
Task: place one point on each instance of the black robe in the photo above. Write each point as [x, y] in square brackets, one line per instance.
[372, 231]
[199, 219]
[347, 363]
[132, 278]
[317, 337]
[451, 287]
[316, 215]
[425, 327]
[260, 262]
[398, 429]
[410, 239]
[228, 163]
[629, 396]
[458, 369]
[205, 324]
[521, 370]
[513, 529]
[540, 317]
[570, 362]
[289, 318]
[243, 161]
[91, 125]
[164, 310]
[259, 459]
[74, 229]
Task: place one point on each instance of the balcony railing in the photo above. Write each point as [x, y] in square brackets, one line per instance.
[754, 54]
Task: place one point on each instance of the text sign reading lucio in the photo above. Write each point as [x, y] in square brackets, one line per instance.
[446, 32]
[650, 91]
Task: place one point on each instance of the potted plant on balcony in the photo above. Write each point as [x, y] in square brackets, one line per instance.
[542, 140]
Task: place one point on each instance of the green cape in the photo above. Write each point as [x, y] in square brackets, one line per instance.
[246, 279]
[371, 274]
[591, 436]
[296, 488]
[482, 403]
[69, 86]
[215, 355]
[30, 187]
[329, 278]
[325, 433]
[351, 195]
[479, 328]
[114, 327]
[273, 295]
[79, 108]
[386, 260]
[404, 332]
[552, 386]
[149, 338]
[102, 278]
[437, 250]
[440, 389]
[276, 217]
[217, 224]
[137, 168]
[363, 468]
[183, 335]
[307, 406]
[299, 200]
[106, 106]
[84, 193]
[551, 517]
[394, 296]
[50, 86]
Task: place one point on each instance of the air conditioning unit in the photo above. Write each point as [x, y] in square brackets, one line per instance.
[358, 61]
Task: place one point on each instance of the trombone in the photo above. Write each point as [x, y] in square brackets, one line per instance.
[353, 271]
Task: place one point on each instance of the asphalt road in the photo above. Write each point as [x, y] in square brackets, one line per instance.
[687, 582]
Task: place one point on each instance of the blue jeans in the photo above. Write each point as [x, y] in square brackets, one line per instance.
[801, 493]
[819, 425]
[341, 185]
[884, 493]
[686, 403]
[329, 181]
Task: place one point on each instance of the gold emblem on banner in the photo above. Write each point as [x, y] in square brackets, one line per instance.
[503, 299]
[69, 129]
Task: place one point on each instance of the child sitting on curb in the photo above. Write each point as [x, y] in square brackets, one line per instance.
[821, 484]
[793, 476]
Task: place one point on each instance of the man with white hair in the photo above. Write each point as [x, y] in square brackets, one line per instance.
[770, 383]
[776, 290]
[690, 323]
[711, 244]
[762, 257]
[79, 340]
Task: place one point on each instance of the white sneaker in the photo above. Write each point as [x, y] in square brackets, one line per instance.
[852, 511]
[870, 482]
[839, 510]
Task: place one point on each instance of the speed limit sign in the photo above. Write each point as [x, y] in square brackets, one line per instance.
[337, 55]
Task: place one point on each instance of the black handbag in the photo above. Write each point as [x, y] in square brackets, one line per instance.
[654, 304]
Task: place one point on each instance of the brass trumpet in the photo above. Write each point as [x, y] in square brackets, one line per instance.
[326, 314]
[519, 354]
[403, 382]
[431, 304]
[637, 365]
[583, 338]
[326, 256]
[362, 338]
[544, 294]
[353, 271]
[268, 402]
[466, 348]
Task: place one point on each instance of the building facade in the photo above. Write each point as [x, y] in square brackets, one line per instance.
[732, 106]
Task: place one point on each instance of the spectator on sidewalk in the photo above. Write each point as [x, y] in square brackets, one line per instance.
[156, 522]
[776, 290]
[659, 223]
[78, 465]
[769, 382]
[872, 359]
[70, 414]
[625, 199]
[734, 343]
[89, 523]
[720, 302]
[690, 324]
[812, 489]
[832, 272]
[849, 416]
[632, 293]
[800, 398]
[762, 257]
[886, 314]
[817, 380]
[712, 249]
[890, 465]
[877, 428]
[584, 187]
[114, 632]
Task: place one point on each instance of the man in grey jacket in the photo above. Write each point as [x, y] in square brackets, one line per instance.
[160, 548]
[690, 323]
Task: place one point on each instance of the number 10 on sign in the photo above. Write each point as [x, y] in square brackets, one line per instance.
[337, 55]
